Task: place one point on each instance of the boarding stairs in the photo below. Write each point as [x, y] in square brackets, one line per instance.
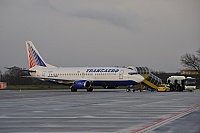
[150, 80]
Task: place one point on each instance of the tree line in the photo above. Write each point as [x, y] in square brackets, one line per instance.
[13, 76]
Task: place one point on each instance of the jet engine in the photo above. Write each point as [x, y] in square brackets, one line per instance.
[82, 84]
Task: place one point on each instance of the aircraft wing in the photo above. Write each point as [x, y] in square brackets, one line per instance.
[53, 79]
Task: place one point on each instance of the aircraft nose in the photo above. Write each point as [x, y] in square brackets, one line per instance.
[140, 78]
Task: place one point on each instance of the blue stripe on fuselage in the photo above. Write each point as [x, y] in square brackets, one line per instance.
[114, 83]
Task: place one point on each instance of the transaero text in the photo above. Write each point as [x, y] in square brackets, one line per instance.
[102, 70]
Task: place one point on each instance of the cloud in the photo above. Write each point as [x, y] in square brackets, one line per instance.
[111, 15]
[111, 12]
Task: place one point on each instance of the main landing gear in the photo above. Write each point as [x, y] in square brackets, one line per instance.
[89, 89]
[75, 89]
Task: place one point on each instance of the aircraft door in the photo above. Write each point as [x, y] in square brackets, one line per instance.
[43, 74]
[83, 74]
[121, 74]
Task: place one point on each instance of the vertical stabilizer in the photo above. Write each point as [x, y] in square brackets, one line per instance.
[34, 57]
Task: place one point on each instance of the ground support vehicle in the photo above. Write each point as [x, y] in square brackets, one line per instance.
[180, 83]
[163, 88]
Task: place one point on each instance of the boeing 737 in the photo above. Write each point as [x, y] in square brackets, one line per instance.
[79, 77]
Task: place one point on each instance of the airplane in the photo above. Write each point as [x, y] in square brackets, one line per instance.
[79, 77]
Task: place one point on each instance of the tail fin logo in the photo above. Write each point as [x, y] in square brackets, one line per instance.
[34, 58]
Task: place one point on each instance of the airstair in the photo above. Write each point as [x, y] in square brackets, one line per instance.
[151, 81]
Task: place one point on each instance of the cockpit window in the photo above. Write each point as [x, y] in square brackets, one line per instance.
[132, 73]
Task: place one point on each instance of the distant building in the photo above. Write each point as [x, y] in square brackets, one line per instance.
[189, 72]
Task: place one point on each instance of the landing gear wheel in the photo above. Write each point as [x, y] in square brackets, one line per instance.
[73, 89]
[89, 89]
[133, 90]
[128, 90]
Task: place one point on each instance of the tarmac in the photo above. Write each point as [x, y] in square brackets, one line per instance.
[100, 111]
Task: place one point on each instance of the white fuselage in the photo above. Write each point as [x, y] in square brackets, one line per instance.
[88, 73]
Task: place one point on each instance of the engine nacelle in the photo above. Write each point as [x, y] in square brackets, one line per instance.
[82, 84]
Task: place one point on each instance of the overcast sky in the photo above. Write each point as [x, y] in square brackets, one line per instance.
[152, 33]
